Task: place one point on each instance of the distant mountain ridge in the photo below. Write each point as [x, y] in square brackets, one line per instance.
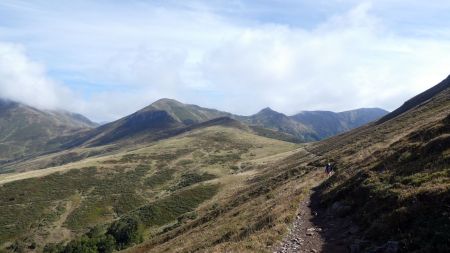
[326, 124]
[25, 130]
[164, 115]
[277, 121]
[305, 126]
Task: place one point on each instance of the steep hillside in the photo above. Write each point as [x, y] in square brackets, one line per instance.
[140, 122]
[161, 119]
[326, 124]
[419, 99]
[393, 177]
[25, 130]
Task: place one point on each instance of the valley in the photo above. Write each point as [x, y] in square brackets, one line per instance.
[155, 181]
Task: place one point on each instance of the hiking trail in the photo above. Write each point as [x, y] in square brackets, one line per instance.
[318, 230]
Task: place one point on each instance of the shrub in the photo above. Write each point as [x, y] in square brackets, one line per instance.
[191, 179]
[126, 231]
[54, 248]
[95, 241]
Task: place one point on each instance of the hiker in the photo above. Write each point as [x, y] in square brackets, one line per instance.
[329, 169]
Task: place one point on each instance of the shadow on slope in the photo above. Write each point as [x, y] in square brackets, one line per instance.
[393, 178]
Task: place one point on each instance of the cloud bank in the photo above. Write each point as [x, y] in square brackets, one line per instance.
[106, 61]
[24, 80]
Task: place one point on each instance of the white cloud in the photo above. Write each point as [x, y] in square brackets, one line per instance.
[349, 61]
[24, 80]
[137, 53]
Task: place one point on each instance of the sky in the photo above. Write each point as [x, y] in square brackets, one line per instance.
[106, 59]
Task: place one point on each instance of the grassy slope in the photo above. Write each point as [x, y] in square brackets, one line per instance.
[396, 177]
[250, 217]
[168, 178]
[25, 130]
[139, 140]
[393, 175]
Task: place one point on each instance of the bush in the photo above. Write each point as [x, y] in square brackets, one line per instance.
[82, 245]
[93, 242]
[126, 231]
[54, 248]
[191, 179]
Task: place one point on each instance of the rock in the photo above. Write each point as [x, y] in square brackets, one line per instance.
[309, 233]
[314, 250]
[314, 230]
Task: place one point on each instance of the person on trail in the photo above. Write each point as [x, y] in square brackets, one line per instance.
[329, 169]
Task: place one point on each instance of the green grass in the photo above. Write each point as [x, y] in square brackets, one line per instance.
[161, 183]
[191, 179]
[102, 195]
[401, 192]
[430, 178]
[169, 209]
[91, 212]
[159, 178]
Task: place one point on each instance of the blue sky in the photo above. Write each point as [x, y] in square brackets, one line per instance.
[106, 59]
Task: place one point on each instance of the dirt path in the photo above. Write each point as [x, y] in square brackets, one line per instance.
[15, 176]
[316, 230]
[59, 233]
[7, 178]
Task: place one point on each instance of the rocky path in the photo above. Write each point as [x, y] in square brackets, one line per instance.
[316, 230]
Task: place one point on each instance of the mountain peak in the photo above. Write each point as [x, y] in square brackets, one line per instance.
[163, 104]
[7, 102]
[167, 101]
[267, 110]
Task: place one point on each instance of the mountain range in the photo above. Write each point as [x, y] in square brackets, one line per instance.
[181, 178]
[26, 130]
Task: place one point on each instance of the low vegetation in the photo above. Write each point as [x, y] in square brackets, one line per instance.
[396, 183]
[157, 188]
[223, 189]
